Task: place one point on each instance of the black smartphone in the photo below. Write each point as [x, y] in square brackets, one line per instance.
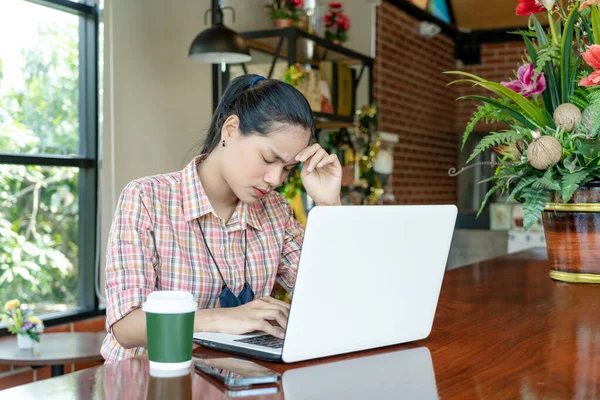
[236, 372]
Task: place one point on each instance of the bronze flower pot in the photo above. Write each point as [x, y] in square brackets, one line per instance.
[573, 236]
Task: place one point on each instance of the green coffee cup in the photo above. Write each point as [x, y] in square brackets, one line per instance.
[170, 329]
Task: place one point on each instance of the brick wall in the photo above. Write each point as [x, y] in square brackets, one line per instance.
[13, 376]
[415, 103]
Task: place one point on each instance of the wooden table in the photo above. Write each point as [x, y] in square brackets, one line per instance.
[54, 349]
[503, 330]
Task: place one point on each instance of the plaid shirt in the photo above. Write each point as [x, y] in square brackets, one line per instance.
[155, 243]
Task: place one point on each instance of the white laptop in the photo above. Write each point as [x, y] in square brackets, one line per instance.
[369, 276]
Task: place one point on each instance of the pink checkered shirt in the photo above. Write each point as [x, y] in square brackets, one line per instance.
[166, 209]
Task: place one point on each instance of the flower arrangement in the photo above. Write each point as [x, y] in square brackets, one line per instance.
[21, 322]
[294, 74]
[285, 9]
[550, 147]
[336, 22]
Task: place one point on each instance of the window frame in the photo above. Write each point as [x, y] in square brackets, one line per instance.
[87, 161]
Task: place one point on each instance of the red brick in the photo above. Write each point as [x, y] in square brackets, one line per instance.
[17, 379]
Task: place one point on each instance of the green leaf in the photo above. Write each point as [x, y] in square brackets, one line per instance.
[546, 95]
[553, 86]
[485, 113]
[573, 78]
[494, 139]
[547, 181]
[487, 196]
[533, 206]
[595, 24]
[539, 30]
[570, 163]
[566, 51]
[522, 184]
[506, 109]
[571, 182]
[531, 109]
[588, 30]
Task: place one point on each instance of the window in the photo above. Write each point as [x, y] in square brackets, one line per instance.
[48, 154]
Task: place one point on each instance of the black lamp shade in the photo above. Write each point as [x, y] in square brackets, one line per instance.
[219, 44]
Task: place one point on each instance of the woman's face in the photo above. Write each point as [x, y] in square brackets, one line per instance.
[256, 164]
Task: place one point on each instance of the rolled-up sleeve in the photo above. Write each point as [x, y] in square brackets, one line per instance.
[290, 253]
[130, 271]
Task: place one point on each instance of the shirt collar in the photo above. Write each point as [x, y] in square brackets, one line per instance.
[196, 203]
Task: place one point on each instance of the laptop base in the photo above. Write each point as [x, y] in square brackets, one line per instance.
[240, 351]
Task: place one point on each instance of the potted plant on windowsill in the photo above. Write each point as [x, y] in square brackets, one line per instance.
[285, 13]
[22, 323]
[549, 153]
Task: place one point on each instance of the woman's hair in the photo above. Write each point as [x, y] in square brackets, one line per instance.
[261, 105]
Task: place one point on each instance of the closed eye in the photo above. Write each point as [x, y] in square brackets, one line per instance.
[267, 161]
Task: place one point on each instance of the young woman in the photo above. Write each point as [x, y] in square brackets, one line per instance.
[217, 229]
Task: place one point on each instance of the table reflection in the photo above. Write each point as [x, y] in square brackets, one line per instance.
[406, 373]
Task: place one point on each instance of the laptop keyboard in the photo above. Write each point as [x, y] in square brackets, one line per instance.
[263, 340]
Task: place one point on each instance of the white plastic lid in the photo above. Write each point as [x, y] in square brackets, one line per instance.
[170, 302]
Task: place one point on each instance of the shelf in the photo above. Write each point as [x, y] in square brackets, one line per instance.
[332, 125]
[267, 41]
[333, 117]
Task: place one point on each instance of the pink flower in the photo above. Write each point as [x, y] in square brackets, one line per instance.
[525, 84]
[587, 3]
[592, 79]
[592, 58]
[297, 3]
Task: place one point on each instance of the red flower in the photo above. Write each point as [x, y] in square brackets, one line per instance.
[335, 4]
[328, 22]
[297, 3]
[528, 7]
[343, 21]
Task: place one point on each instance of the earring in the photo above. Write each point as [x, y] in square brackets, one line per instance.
[223, 143]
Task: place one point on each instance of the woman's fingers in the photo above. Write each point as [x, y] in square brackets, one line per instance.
[273, 330]
[275, 315]
[315, 159]
[308, 152]
[330, 159]
[272, 300]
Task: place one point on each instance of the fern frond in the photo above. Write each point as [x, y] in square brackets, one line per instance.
[494, 139]
[533, 206]
[522, 184]
[486, 113]
[548, 53]
[571, 182]
[488, 195]
[547, 181]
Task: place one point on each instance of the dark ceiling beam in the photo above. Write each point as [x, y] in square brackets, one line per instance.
[451, 12]
[422, 15]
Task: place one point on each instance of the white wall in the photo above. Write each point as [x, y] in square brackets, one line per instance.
[157, 103]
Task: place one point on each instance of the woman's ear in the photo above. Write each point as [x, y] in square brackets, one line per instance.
[231, 128]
